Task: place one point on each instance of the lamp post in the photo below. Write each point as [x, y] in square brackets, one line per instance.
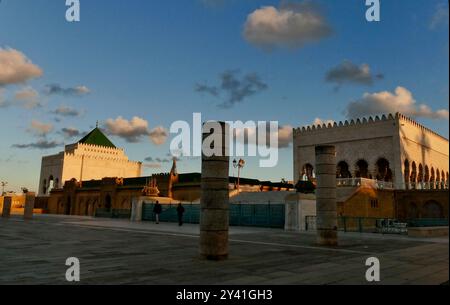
[239, 165]
[3, 183]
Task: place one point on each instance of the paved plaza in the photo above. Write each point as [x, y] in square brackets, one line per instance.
[120, 252]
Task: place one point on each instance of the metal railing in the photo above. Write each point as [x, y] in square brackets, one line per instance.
[255, 215]
[357, 182]
[378, 225]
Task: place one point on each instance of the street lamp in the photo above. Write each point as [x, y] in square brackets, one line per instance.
[239, 165]
[3, 183]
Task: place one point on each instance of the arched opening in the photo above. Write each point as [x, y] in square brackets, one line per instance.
[413, 211]
[51, 184]
[438, 179]
[108, 204]
[308, 172]
[384, 173]
[44, 187]
[427, 177]
[413, 177]
[442, 180]
[362, 169]
[342, 170]
[87, 208]
[446, 180]
[56, 183]
[432, 209]
[406, 173]
[420, 176]
[68, 206]
[432, 179]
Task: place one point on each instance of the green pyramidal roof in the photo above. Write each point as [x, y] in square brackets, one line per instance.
[97, 137]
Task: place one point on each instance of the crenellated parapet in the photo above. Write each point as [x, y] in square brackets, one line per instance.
[364, 121]
[346, 123]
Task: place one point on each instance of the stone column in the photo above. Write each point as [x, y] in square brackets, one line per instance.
[29, 206]
[326, 195]
[136, 209]
[214, 217]
[7, 203]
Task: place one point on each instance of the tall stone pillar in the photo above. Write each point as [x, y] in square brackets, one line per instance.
[29, 205]
[136, 209]
[7, 203]
[326, 195]
[214, 217]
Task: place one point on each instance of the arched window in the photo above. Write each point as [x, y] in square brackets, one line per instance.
[407, 173]
[384, 173]
[413, 177]
[420, 176]
[438, 179]
[362, 169]
[51, 183]
[308, 172]
[44, 187]
[342, 170]
[427, 177]
[432, 179]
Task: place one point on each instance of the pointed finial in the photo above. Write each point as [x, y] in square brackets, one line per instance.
[96, 124]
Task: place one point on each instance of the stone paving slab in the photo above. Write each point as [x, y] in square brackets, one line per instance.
[120, 252]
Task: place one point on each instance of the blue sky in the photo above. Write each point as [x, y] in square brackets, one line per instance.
[145, 59]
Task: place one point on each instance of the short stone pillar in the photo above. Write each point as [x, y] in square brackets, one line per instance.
[29, 206]
[7, 204]
[326, 206]
[136, 209]
[214, 217]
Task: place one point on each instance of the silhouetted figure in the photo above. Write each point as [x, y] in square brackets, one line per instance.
[157, 210]
[180, 211]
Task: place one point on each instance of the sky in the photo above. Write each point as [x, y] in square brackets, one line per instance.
[137, 66]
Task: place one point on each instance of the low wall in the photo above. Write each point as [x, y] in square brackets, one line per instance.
[428, 232]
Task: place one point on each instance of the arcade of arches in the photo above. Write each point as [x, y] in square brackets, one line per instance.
[424, 177]
[382, 171]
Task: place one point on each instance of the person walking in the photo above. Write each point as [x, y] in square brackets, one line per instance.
[157, 209]
[180, 211]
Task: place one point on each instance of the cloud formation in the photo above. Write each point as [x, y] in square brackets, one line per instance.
[158, 135]
[41, 144]
[233, 89]
[66, 111]
[40, 129]
[135, 129]
[70, 132]
[350, 73]
[16, 68]
[384, 102]
[56, 89]
[292, 25]
[440, 17]
[28, 98]
[319, 121]
[285, 135]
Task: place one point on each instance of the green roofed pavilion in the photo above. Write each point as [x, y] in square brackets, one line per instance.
[97, 137]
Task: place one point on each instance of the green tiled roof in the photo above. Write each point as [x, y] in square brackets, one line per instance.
[97, 137]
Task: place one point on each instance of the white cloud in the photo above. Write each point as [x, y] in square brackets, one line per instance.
[440, 17]
[40, 129]
[133, 130]
[384, 102]
[291, 25]
[16, 68]
[158, 135]
[319, 121]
